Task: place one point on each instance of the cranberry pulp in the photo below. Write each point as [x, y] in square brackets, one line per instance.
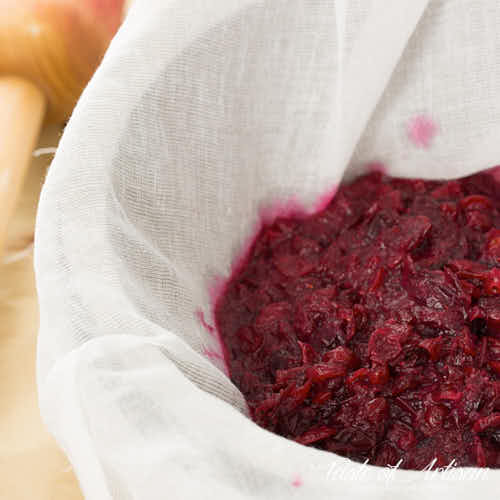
[372, 329]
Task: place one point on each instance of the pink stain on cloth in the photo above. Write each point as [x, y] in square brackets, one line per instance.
[216, 358]
[211, 354]
[421, 131]
[297, 481]
[201, 318]
[214, 355]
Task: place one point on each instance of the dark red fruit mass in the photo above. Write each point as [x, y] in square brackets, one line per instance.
[372, 329]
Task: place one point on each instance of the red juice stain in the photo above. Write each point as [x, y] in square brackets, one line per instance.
[421, 131]
[218, 357]
[201, 318]
[211, 354]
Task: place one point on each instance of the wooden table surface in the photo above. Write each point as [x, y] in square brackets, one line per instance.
[31, 465]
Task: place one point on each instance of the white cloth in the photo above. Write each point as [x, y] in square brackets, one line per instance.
[201, 115]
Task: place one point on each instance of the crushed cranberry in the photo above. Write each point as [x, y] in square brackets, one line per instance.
[372, 329]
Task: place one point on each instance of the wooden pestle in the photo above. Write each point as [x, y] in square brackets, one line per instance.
[49, 49]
